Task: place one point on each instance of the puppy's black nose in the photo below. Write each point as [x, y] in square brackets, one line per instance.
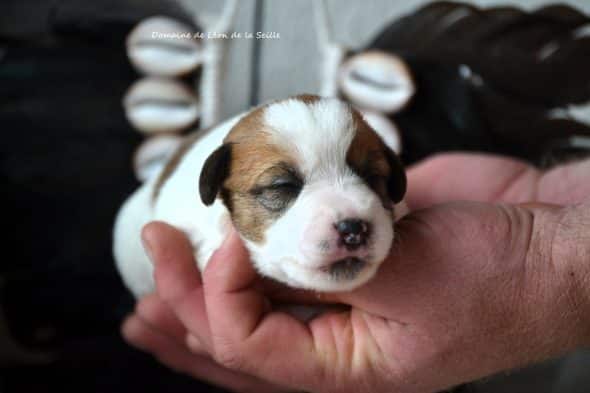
[353, 232]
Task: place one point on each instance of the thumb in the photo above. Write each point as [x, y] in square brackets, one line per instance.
[230, 265]
[230, 272]
[243, 327]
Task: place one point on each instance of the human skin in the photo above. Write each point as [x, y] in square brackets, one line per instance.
[470, 288]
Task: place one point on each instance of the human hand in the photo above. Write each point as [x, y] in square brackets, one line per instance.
[444, 310]
[154, 327]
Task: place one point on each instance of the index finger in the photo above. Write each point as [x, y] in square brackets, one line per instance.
[178, 281]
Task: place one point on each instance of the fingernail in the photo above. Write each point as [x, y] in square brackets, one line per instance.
[221, 249]
[147, 248]
[228, 237]
[194, 344]
[127, 327]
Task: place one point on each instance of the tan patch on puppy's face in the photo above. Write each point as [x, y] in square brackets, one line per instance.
[262, 180]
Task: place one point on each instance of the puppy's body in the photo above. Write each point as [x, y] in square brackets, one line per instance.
[176, 203]
[307, 183]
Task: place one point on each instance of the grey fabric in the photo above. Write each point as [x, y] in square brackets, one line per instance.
[289, 64]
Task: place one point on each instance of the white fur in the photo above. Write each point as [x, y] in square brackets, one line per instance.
[319, 134]
[302, 240]
[178, 204]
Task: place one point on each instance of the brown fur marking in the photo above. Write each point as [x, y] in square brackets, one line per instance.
[366, 157]
[253, 153]
[173, 162]
[307, 98]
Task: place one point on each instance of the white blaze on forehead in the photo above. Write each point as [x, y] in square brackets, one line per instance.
[318, 134]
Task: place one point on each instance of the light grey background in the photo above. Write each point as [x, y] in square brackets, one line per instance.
[290, 65]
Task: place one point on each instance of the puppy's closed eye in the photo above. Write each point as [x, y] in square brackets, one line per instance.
[276, 191]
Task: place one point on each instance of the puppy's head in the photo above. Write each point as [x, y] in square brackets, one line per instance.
[310, 187]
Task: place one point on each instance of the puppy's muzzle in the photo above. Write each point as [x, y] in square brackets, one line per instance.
[353, 234]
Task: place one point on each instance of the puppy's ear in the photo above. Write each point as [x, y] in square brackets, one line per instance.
[397, 182]
[214, 173]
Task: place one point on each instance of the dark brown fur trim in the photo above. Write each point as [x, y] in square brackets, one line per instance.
[173, 162]
[375, 163]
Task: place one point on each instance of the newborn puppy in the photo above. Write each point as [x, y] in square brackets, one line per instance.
[311, 188]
